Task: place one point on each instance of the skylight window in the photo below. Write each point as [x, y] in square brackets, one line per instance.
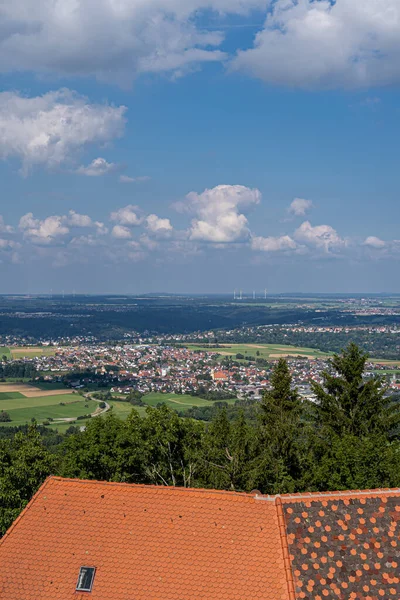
[85, 579]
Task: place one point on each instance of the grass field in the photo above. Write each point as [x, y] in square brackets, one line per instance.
[25, 402]
[267, 351]
[10, 396]
[4, 351]
[389, 363]
[42, 385]
[124, 409]
[175, 401]
[23, 410]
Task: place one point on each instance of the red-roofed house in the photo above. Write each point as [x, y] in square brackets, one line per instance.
[108, 541]
[219, 376]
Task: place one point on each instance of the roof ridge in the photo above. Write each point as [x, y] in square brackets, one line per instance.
[26, 509]
[255, 494]
[344, 493]
[285, 548]
[157, 487]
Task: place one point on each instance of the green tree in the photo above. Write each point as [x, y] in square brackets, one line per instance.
[347, 404]
[228, 451]
[24, 465]
[4, 417]
[278, 464]
[172, 447]
[351, 463]
[109, 450]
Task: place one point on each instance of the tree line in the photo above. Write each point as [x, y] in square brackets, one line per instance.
[347, 439]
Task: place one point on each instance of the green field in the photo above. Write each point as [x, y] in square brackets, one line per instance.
[22, 409]
[267, 351]
[175, 401]
[43, 385]
[124, 409]
[4, 351]
[10, 396]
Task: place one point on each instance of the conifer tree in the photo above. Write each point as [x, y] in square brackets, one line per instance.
[280, 429]
[349, 404]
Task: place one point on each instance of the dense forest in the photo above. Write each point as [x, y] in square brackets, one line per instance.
[348, 439]
[377, 344]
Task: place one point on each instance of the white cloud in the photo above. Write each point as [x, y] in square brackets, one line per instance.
[157, 225]
[320, 236]
[127, 216]
[273, 244]
[127, 179]
[8, 244]
[5, 228]
[97, 168]
[51, 129]
[323, 43]
[45, 231]
[101, 229]
[220, 212]
[374, 242]
[120, 232]
[299, 207]
[76, 220]
[110, 39]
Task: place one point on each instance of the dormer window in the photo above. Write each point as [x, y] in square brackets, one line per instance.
[85, 579]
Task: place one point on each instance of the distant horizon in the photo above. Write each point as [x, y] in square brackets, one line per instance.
[248, 295]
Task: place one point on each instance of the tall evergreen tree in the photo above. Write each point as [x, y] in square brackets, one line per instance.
[348, 404]
[280, 429]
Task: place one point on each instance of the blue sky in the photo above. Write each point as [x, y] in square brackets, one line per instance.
[174, 146]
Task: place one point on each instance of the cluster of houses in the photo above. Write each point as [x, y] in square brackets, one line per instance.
[165, 368]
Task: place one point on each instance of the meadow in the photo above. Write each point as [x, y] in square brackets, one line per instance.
[4, 351]
[24, 402]
[267, 351]
[179, 402]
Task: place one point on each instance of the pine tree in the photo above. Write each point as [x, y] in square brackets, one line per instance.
[348, 404]
[280, 428]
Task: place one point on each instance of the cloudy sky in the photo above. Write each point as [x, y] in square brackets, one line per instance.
[199, 145]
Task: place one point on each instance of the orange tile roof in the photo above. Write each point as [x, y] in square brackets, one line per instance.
[146, 542]
[185, 544]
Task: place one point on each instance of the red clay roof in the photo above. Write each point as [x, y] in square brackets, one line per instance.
[184, 544]
[146, 542]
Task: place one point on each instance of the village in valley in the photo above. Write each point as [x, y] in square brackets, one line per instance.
[238, 371]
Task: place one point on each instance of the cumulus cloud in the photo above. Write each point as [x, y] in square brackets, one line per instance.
[45, 231]
[76, 220]
[374, 242]
[273, 244]
[128, 216]
[157, 225]
[51, 129]
[5, 228]
[120, 232]
[344, 43]
[110, 40]
[299, 207]
[320, 236]
[220, 212]
[97, 168]
[8, 244]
